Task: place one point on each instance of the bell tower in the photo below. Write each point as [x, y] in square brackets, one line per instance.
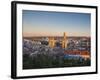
[64, 41]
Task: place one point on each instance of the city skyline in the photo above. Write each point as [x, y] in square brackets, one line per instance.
[47, 23]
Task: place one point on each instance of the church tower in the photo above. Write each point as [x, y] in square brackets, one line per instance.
[64, 41]
[51, 42]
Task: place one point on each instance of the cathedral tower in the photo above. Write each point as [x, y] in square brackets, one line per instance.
[64, 41]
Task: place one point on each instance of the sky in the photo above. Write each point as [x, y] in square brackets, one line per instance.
[47, 23]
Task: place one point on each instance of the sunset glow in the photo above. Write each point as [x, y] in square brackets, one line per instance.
[43, 23]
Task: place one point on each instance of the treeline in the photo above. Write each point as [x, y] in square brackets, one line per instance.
[47, 61]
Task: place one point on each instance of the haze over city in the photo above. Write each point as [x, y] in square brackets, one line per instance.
[43, 23]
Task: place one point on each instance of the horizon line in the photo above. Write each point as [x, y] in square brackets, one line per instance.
[56, 36]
